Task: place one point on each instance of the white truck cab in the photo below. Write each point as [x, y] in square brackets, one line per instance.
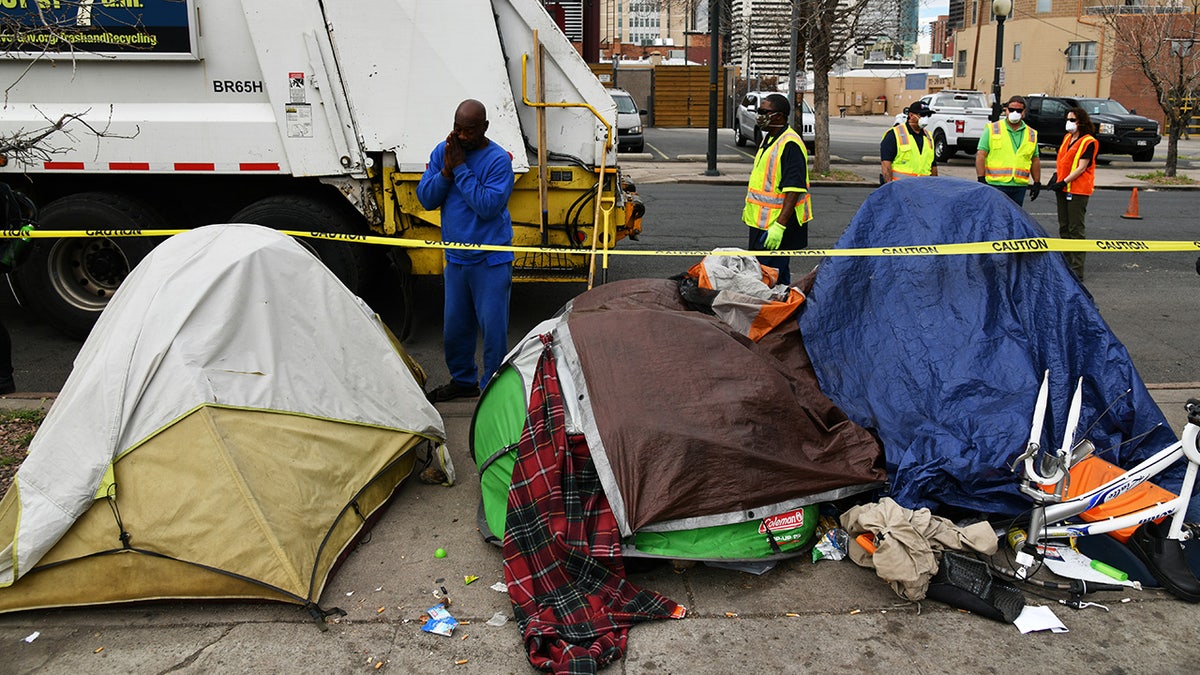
[958, 121]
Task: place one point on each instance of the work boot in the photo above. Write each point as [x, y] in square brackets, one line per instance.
[452, 390]
[1166, 560]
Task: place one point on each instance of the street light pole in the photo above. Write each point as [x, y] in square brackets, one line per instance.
[714, 68]
[1001, 8]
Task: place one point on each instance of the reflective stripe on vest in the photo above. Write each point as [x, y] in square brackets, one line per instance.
[764, 199]
[1003, 163]
[909, 160]
[1066, 163]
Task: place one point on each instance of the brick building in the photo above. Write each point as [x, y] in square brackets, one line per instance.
[1061, 47]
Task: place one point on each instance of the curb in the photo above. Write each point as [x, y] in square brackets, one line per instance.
[666, 172]
[28, 401]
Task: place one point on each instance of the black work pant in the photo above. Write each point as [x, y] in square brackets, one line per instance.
[794, 238]
[1071, 215]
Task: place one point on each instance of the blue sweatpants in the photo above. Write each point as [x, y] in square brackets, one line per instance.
[477, 298]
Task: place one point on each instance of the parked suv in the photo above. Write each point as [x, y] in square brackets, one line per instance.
[629, 122]
[745, 127]
[1119, 131]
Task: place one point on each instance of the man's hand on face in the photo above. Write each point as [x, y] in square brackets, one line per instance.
[454, 155]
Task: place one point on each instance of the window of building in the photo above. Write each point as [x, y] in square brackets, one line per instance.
[1081, 57]
[1044, 6]
[960, 64]
[1016, 51]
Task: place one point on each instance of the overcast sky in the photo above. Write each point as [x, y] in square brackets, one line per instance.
[930, 9]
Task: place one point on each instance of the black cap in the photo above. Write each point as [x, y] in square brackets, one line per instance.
[919, 108]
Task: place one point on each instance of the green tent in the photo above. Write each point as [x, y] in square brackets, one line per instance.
[709, 445]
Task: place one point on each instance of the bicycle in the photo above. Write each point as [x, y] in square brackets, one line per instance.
[1057, 514]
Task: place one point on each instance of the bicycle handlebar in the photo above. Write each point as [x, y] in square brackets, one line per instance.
[1193, 411]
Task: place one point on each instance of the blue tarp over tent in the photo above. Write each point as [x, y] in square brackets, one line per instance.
[942, 355]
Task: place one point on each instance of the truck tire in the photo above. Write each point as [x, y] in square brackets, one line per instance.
[402, 265]
[737, 135]
[942, 150]
[346, 260]
[69, 281]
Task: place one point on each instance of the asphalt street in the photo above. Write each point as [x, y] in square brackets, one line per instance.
[1149, 299]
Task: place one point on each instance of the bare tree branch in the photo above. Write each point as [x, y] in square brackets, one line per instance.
[1160, 42]
[50, 30]
[36, 145]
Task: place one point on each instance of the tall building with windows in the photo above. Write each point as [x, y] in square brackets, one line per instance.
[941, 37]
[892, 26]
[650, 22]
[759, 38]
[909, 24]
[569, 13]
[1060, 47]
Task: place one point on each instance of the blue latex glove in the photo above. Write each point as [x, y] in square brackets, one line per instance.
[774, 237]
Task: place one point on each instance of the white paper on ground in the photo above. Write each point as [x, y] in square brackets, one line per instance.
[1038, 617]
[1067, 562]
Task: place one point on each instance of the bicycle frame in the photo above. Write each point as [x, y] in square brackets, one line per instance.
[1047, 520]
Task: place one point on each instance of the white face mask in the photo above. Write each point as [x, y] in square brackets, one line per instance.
[1071, 127]
[1014, 117]
[923, 122]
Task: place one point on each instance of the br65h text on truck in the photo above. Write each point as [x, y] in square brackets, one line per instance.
[306, 115]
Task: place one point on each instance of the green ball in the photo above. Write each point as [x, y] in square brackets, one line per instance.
[440, 553]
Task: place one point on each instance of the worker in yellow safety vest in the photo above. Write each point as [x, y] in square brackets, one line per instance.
[1007, 155]
[778, 205]
[906, 150]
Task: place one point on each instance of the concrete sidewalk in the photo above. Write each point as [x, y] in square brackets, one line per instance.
[800, 617]
[732, 171]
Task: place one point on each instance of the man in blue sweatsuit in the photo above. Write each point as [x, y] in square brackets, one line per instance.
[470, 179]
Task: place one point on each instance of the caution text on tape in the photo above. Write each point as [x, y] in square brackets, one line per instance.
[1028, 245]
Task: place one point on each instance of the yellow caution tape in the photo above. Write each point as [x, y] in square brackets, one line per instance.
[1030, 245]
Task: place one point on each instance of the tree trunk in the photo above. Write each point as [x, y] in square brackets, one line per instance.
[822, 59]
[1173, 149]
[821, 121]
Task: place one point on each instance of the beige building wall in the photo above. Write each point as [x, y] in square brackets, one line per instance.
[861, 95]
[855, 95]
[1041, 66]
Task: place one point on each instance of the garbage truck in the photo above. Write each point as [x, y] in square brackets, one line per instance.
[314, 116]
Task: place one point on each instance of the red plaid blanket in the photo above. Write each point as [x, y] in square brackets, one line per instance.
[562, 548]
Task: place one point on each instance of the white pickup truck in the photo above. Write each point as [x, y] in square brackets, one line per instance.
[958, 121]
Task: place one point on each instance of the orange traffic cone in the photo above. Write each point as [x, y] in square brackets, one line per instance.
[1132, 211]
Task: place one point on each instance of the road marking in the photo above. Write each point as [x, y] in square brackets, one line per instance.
[660, 152]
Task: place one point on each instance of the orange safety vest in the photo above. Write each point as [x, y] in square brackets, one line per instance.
[764, 198]
[1004, 164]
[1068, 161]
[909, 161]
